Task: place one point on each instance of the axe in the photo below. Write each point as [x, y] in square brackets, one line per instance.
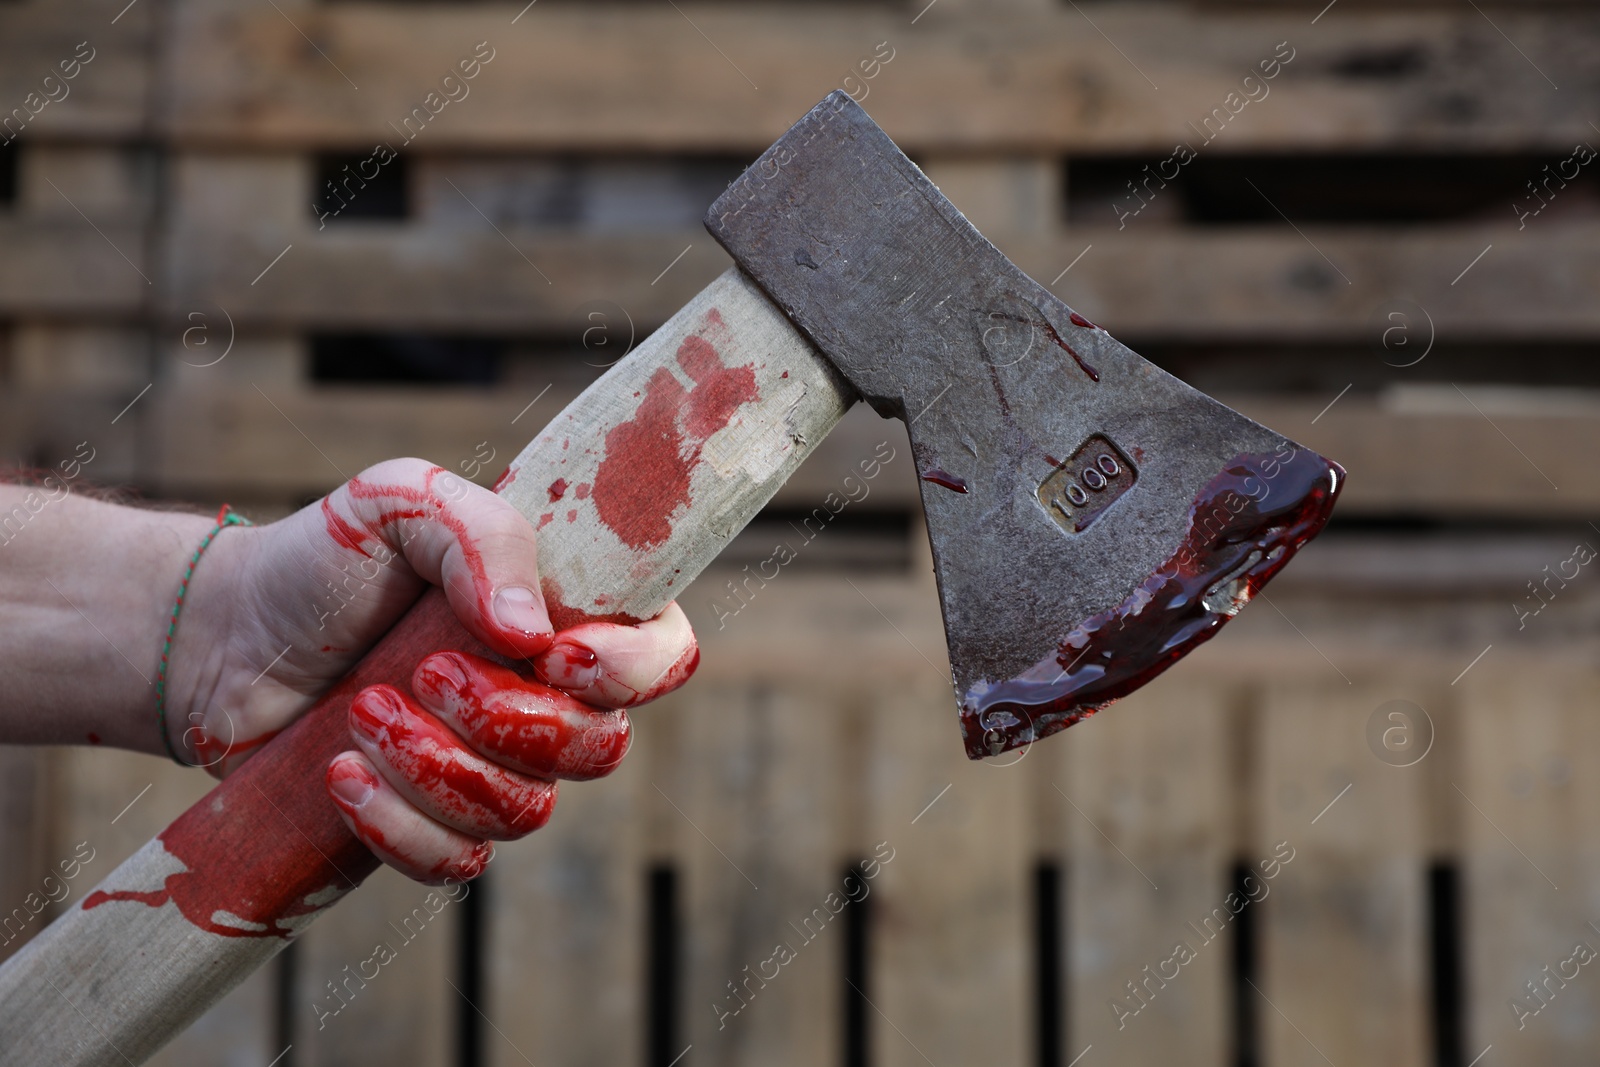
[1092, 520]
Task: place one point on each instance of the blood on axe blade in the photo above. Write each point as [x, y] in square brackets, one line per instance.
[1065, 583]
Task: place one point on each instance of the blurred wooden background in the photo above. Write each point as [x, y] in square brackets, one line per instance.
[1360, 257]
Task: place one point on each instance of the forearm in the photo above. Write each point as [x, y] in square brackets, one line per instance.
[86, 588]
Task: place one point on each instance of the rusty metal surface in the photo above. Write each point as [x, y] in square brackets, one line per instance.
[1005, 391]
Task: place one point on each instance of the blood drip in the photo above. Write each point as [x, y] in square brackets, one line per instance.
[218, 904]
[1094, 375]
[1237, 539]
[558, 489]
[944, 478]
[1079, 320]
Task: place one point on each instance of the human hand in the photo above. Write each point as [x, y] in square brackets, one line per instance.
[474, 754]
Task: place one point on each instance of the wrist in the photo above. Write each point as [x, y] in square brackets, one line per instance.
[199, 629]
[84, 586]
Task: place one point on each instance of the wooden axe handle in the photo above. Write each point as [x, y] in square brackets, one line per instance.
[633, 489]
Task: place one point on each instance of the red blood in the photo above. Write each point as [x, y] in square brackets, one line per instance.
[426, 504]
[785, 374]
[564, 616]
[1238, 537]
[1079, 320]
[644, 478]
[532, 728]
[558, 489]
[219, 754]
[267, 845]
[94, 738]
[582, 492]
[254, 889]
[944, 478]
[1053, 461]
[507, 476]
[573, 655]
[1094, 375]
[680, 672]
[457, 785]
[545, 520]
[674, 676]
[572, 516]
[341, 531]
[464, 865]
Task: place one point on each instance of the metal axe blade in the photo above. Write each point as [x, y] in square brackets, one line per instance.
[1092, 518]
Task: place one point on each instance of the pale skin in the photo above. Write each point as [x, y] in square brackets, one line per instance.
[472, 756]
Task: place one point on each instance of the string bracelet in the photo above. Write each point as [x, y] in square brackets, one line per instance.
[225, 518]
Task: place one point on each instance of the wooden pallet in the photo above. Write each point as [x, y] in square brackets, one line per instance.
[163, 215]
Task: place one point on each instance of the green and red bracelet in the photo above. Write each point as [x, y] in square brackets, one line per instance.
[225, 518]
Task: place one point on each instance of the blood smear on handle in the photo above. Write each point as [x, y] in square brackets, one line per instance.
[643, 481]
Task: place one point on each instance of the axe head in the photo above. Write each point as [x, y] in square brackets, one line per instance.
[1092, 518]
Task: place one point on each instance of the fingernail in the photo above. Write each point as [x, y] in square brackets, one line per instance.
[348, 783]
[570, 665]
[438, 674]
[374, 709]
[474, 864]
[520, 608]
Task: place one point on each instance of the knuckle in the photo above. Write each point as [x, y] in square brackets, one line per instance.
[408, 469]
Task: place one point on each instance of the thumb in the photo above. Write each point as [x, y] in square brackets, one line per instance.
[454, 534]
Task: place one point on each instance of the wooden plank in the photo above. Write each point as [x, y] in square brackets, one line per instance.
[1525, 796]
[950, 943]
[1456, 462]
[97, 358]
[1268, 283]
[57, 180]
[244, 444]
[1154, 283]
[1017, 196]
[204, 350]
[762, 871]
[978, 80]
[392, 276]
[565, 932]
[375, 983]
[235, 213]
[1342, 952]
[61, 268]
[1144, 797]
[1445, 457]
[26, 844]
[106, 96]
[294, 441]
[46, 427]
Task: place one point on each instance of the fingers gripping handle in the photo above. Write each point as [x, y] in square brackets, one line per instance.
[633, 489]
